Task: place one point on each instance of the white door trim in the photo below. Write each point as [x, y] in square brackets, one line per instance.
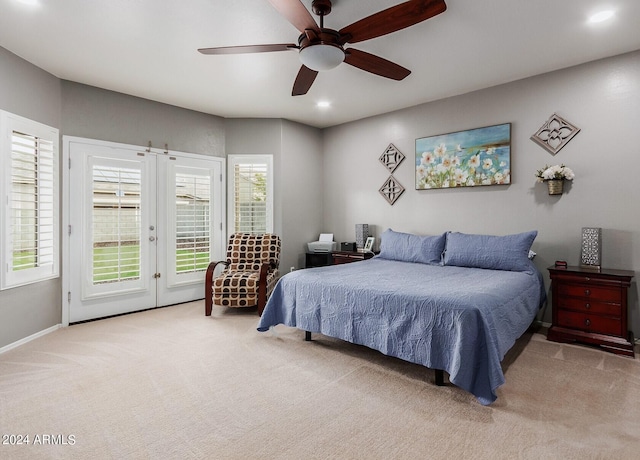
[218, 247]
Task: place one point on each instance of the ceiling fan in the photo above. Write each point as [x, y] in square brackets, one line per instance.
[321, 48]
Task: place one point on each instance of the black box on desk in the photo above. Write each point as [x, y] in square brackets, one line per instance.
[348, 247]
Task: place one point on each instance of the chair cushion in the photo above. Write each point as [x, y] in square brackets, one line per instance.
[240, 289]
[247, 252]
[237, 285]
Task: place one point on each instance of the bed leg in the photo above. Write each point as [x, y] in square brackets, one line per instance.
[307, 336]
[439, 377]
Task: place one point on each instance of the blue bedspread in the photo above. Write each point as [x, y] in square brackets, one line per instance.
[461, 320]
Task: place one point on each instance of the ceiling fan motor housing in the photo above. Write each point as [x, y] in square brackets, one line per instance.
[321, 50]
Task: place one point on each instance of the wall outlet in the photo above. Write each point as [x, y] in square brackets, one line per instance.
[292, 269]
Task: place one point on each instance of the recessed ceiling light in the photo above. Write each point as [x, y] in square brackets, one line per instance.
[601, 16]
[323, 104]
[29, 2]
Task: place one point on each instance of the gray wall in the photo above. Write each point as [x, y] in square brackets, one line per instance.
[602, 98]
[85, 111]
[32, 93]
[297, 163]
[97, 113]
[328, 180]
[300, 204]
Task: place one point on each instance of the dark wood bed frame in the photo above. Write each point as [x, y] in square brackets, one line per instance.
[439, 372]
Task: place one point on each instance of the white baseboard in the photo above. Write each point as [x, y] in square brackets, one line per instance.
[13, 345]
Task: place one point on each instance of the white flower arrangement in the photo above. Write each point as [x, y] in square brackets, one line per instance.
[555, 172]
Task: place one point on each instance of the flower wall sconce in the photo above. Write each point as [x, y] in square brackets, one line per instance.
[555, 134]
[555, 176]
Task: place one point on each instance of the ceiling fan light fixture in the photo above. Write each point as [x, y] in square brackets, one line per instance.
[321, 56]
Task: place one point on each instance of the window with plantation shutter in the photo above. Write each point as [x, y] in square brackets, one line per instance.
[251, 194]
[30, 207]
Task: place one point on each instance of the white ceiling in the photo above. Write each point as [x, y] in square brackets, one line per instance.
[147, 48]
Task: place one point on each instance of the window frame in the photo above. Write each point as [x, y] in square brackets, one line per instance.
[236, 159]
[10, 123]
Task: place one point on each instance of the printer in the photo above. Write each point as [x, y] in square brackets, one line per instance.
[324, 244]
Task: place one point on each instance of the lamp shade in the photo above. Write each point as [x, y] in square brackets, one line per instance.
[362, 233]
[591, 249]
[321, 56]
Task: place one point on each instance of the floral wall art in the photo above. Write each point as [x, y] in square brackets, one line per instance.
[471, 158]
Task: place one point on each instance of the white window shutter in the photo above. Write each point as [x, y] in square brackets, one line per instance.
[251, 197]
[29, 155]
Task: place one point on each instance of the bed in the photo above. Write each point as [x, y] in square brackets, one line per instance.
[453, 302]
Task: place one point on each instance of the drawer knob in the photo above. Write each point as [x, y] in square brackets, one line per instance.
[587, 292]
[587, 305]
[587, 322]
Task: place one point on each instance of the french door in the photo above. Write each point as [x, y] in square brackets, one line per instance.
[142, 227]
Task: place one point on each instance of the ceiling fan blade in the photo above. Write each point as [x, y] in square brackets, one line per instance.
[248, 49]
[375, 64]
[296, 13]
[304, 80]
[391, 20]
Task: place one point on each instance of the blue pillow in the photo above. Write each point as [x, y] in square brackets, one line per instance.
[510, 252]
[412, 248]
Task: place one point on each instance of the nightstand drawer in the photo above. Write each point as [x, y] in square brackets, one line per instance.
[591, 292]
[345, 257]
[590, 306]
[589, 323]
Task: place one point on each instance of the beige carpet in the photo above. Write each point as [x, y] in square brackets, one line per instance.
[173, 384]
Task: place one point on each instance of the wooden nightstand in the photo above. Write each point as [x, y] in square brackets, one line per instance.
[323, 259]
[590, 306]
[345, 257]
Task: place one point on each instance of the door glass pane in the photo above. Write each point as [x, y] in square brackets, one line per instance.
[116, 224]
[192, 222]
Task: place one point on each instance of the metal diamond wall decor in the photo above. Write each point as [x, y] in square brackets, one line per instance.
[391, 158]
[391, 190]
[555, 134]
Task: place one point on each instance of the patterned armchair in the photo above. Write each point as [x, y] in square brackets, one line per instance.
[250, 274]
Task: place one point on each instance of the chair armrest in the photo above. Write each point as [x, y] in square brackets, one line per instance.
[208, 285]
[213, 265]
[262, 285]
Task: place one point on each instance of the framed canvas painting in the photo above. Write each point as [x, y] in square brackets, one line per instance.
[471, 158]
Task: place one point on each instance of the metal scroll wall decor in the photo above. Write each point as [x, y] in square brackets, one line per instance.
[555, 134]
[391, 159]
